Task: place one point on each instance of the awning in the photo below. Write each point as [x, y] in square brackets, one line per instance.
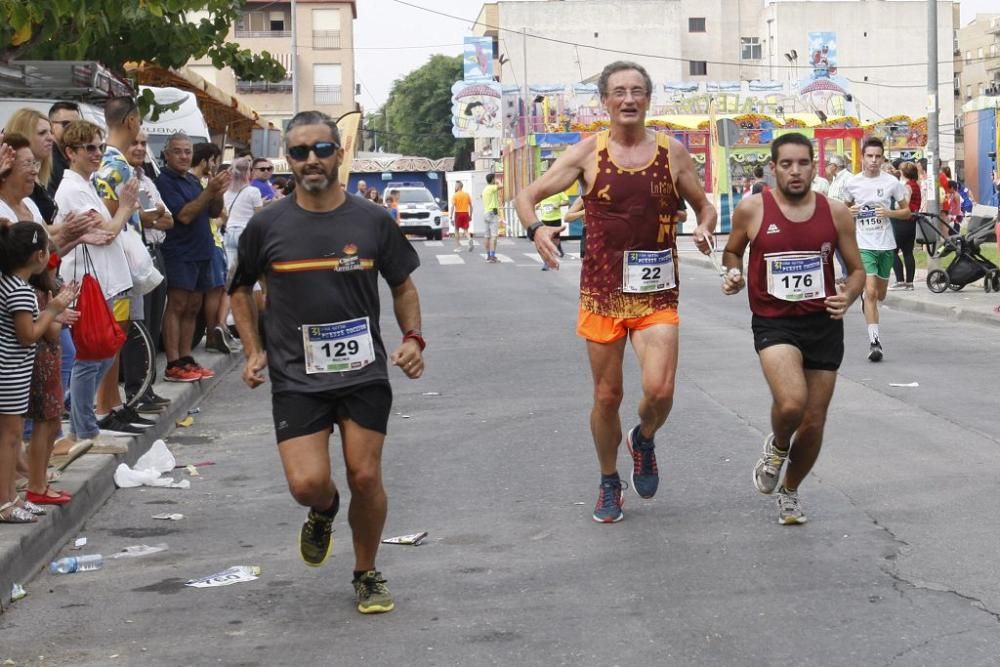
[224, 113]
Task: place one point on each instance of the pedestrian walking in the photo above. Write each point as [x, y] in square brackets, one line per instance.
[321, 253]
[797, 310]
[633, 180]
[905, 231]
[491, 217]
[461, 215]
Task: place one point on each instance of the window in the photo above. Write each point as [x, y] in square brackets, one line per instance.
[968, 92]
[980, 52]
[697, 68]
[696, 25]
[326, 85]
[750, 48]
[968, 56]
[263, 24]
[277, 21]
[326, 28]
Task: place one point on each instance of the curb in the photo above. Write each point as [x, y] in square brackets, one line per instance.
[26, 550]
[892, 300]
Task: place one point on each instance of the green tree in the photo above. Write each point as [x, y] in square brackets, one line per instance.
[416, 119]
[115, 33]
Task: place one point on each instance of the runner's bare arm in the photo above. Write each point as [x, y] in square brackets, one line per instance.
[739, 237]
[575, 211]
[570, 167]
[838, 304]
[406, 305]
[688, 187]
[245, 313]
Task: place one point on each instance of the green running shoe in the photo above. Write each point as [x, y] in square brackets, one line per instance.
[316, 538]
[372, 593]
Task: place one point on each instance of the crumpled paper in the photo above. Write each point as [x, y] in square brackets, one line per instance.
[149, 468]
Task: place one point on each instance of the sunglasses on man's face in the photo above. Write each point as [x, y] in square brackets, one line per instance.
[322, 149]
[264, 168]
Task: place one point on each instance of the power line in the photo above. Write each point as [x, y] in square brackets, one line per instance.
[661, 57]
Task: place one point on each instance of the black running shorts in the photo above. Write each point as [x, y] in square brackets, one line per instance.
[297, 414]
[819, 338]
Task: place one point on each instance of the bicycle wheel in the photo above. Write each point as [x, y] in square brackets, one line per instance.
[139, 336]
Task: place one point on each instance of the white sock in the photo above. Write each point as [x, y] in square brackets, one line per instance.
[872, 333]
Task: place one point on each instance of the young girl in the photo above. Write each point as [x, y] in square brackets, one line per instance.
[24, 251]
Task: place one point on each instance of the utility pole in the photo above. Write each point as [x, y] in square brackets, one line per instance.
[933, 105]
[295, 64]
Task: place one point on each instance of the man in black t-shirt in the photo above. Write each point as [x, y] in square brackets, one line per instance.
[321, 252]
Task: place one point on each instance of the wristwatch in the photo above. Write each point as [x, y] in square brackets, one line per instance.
[416, 335]
[532, 228]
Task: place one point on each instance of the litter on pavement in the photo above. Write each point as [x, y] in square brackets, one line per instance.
[139, 550]
[168, 516]
[17, 592]
[413, 540]
[79, 543]
[234, 575]
[149, 468]
[187, 421]
[904, 384]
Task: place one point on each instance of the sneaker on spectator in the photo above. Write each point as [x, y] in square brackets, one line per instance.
[179, 373]
[896, 287]
[132, 417]
[146, 408]
[114, 424]
[231, 341]
[205, 373]
[216, 342]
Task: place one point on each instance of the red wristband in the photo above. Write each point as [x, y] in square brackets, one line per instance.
[415, 335]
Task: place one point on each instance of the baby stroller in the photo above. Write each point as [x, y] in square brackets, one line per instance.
[968, 264]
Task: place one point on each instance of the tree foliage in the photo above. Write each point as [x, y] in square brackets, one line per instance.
[114, 33]
[416, 119]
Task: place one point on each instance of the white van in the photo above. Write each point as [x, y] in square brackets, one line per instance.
[187, 119]
[8, 105]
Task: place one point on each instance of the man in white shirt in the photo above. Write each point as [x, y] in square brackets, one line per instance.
[875, 197]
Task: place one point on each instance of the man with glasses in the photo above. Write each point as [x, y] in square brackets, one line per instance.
[633, 179]
[61, 114]
[261, 173]
[321, 253]
[187, 254]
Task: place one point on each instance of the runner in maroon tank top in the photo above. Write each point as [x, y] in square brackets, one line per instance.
[797, 310]
[633, 179]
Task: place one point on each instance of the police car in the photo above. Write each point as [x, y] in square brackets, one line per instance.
[419, 212]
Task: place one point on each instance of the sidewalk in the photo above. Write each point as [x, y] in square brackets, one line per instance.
[26, 549]
[972, 304]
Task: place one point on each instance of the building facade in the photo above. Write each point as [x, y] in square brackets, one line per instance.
[880, 46]
[320, 49]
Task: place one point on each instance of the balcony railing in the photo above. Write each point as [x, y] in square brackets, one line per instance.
[326, 39]
[284, 86]
[326, 95]
[263, 34]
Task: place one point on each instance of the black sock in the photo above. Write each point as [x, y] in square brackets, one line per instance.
[613, 477]
[359, 573]
[330, 511]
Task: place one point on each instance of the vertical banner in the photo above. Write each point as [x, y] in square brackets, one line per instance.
[478, 59]
[348, 126]
[713, 148]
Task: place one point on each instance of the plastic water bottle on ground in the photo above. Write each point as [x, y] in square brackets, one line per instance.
[72, 564]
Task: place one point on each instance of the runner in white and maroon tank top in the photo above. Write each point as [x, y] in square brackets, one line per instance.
[797, 310]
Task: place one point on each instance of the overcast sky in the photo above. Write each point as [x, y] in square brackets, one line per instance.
[386, 29]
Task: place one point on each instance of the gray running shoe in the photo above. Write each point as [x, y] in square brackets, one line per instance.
[645, 474]
[372, 593]
[875, 351]
[789, 509]
[767, 470]
[609, 502]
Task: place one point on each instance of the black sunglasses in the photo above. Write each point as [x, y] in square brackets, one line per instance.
[264, 168]
[91, 148]
[322, 149]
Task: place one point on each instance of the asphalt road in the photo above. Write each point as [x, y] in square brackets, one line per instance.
[491, 453]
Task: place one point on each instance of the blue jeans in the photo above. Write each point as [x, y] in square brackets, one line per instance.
[83, 387]
[68, 356]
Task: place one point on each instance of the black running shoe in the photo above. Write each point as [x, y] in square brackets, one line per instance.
[115, 425]
[132, 417]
